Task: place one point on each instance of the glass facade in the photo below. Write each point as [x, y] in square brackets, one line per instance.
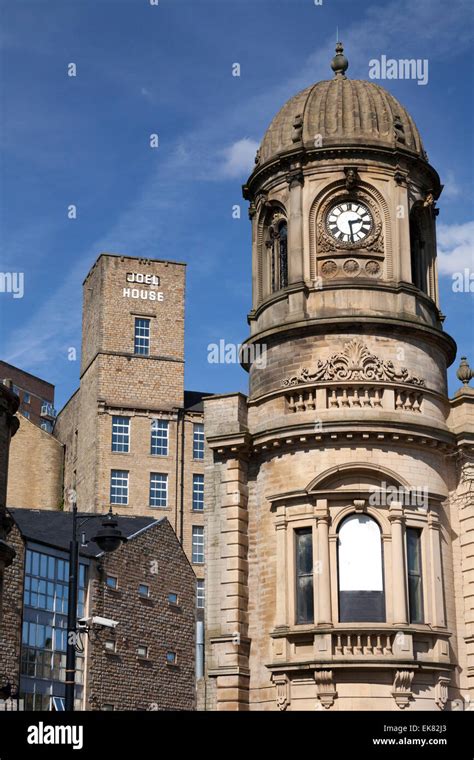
[44, 630]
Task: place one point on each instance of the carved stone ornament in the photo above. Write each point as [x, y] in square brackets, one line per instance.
[352, 177]
[355, 362]
[441, 691]
[402, 692]
[326, 690]
[282, 683]
[373, 242]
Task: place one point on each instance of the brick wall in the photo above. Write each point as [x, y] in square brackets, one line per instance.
[10, 627]
[123, 679]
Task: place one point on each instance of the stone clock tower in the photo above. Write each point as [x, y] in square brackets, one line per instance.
[338, 497]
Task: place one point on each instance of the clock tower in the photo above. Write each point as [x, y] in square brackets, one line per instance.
[334, 489]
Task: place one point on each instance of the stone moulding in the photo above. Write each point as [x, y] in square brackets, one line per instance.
[354, 362]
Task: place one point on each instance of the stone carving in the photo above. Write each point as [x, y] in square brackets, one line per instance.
[351, 267]
[402, 688]
[282, 683]
[372, 268]
[355, 362]
[351, 177]
[297, 129]
[329, 268]
[441, 691]
[326, 690]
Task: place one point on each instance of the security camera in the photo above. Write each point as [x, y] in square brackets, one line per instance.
[104, 622]
[83, 623]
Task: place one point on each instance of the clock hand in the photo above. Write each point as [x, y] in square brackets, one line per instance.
[351, 222]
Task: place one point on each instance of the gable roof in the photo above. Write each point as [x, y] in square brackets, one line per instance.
[53, 527]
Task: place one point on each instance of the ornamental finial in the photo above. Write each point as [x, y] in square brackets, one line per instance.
[339, 63]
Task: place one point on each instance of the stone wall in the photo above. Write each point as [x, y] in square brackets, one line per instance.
[35, 469]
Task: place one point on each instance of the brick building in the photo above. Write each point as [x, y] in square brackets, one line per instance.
[36, 395]
[8, 427]
[133, 436]
[147, 586]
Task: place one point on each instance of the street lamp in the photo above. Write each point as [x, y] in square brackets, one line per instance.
[108, 539]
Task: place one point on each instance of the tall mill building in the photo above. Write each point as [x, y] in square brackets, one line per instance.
[133, 437]
[339, 498]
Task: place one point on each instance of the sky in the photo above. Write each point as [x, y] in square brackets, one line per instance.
[166, 69]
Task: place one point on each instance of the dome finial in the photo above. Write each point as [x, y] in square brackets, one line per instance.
[339, 63]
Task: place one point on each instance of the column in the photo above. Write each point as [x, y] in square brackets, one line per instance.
[436, 574]
[324, 577]
[295, 230]
[281, 617]
[398, 565]
[256, 263]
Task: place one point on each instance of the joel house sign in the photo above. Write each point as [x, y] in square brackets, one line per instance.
[146, 294]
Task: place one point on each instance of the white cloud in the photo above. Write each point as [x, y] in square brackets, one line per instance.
[455, 250]
[238, 158]
[451, 188]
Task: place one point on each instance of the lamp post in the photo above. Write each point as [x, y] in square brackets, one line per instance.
[108, 538]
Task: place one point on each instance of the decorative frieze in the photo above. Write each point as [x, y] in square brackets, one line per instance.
[354, 362]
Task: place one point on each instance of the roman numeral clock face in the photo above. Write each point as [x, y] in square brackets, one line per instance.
[349, 222]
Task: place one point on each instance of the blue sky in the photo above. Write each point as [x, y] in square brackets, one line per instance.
[166, 69]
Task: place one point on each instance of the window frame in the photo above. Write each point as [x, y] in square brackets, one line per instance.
[147, 594]
[419, 531]
[198, 440]
[142, 340]
[158, 443]
[121, 434]
[155, 490]
[199, 528]
[383, 569]
[200, 596]
[198, 503]
[107, 585]
[299, 530]
[126, 496]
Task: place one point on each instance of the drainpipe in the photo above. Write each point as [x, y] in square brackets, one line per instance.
[181, 496]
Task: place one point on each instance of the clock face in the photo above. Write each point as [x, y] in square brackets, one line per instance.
[349, 222]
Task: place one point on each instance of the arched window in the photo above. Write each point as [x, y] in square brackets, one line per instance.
[360, 565]
[277, 244]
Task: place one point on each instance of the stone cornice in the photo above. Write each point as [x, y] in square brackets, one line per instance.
[343, 433]
[335, 324]
[281, 165]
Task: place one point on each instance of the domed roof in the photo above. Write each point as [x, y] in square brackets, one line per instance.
[344, 112]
